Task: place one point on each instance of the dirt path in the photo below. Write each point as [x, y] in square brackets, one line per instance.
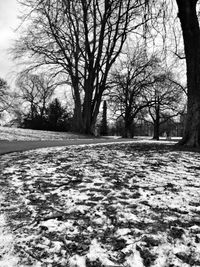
[19, 146]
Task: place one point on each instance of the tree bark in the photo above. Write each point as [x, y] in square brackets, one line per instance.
[156, 123]
[87, 108]
[156, 130]
[77, 119]
[191, 36]
[128, 133]
[78, 125]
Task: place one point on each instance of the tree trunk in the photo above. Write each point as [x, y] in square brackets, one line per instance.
[156, 124]
[156, 131]
[83, 119]
[87, 111]
[87, 120]
[127, 132]
[191, 36]
[77, 124]
[128, 128]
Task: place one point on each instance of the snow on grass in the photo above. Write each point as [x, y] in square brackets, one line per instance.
[105, 205]
[18, 134]
[7, 257]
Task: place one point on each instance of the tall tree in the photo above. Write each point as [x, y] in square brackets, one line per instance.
[187, 13]
[130, 82]
[166, 97]
[83, 38]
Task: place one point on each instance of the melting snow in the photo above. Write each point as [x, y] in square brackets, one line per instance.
[7, 257]
[118, 205]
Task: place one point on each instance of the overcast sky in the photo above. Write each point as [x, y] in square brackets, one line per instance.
[8, 22]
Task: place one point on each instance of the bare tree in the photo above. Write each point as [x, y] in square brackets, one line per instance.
[166, 98]
[36, 90]
[5, 96]
[130, 83]
[81, 38]
[187, 11]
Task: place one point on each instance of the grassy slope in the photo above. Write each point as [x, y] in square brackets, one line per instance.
[12, 134]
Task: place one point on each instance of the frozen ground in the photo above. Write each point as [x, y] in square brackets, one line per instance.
[13, 134]
[131, 205]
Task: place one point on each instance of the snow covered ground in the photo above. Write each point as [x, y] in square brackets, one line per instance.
[13, 134]
[131, 205]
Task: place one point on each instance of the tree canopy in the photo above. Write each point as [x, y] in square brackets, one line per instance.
[81, 39]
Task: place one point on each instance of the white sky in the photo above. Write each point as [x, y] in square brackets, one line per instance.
[8, 22]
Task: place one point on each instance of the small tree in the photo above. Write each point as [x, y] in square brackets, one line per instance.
[56, 114]
[104, 125]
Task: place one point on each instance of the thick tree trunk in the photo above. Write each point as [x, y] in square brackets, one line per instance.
[77, 116]
[128, 133]
[77, 123]
[85, 114]
[191, 36]
[84, 120]
[87, 111]
[88, 126]
[91, 109]
[156, 131]
[77, 120]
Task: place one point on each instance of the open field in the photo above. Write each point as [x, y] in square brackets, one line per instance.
[13, 134]
[19, 134]
[130, 205]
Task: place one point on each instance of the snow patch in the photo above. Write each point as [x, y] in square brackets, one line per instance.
[7, 257]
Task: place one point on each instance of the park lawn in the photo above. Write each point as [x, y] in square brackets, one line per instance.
[19, 134]
[130, 205]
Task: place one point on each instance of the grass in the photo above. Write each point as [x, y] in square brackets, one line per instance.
[19, 134]
[103, 205]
